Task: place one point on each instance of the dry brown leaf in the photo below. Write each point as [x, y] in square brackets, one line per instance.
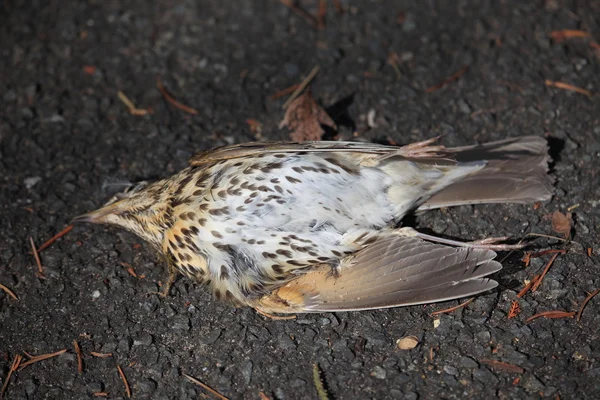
[561, 223]
[407, 343]
[304, 118]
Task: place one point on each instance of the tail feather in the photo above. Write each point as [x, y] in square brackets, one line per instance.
[516, 172]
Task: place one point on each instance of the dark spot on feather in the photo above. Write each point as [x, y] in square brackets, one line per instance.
[202, 221]
[222, 194]
[291, 179]
[295, 263]
[278, 269]
[285, 253]
[224, 272]
[216, 234]
[275, 180]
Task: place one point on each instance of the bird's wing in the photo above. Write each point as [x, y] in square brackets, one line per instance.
[394, 271]
[256, 148]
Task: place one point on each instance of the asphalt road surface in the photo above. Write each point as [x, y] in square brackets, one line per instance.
[66, 139]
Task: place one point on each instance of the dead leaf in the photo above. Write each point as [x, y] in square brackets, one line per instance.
[304, 118]
[407, 343]
[561, 223]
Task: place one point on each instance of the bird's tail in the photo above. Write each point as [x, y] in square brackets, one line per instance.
[516, 171]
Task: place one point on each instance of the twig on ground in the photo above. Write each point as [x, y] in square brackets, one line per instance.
[15, 364]
[9, 292]
[587, 299]
[567, 86]
[133, 110]
[124, 379]
[41, 357]
[300, 12]
[538, 281]
[172, 100]
[54, 238]
[503, 365]
[448, 310]
[551, 314]
[79, 358]
[448, 80]
[206, 387]
[301, 87]
[37, 258]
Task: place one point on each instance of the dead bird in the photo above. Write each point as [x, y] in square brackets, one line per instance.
[294, 227]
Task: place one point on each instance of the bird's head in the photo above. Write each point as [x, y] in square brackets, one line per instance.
[142, 208]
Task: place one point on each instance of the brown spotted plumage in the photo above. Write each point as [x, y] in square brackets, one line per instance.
[309, 227]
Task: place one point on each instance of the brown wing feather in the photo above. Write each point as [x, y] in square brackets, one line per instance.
[254, 148]
[395, 271]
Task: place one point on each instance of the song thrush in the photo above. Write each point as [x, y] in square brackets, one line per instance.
[314, 226]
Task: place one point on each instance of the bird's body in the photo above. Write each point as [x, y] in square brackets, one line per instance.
[259, 223]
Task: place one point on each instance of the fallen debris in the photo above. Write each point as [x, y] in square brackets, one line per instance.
[79, 358]
[587, 299]
[101, 355]
[562, 223]
[301, 87]
[124, 379]
[566, 86]
[206, 387]
[456, 76]
[515, 309]
[285, 91]
[528, 286]
[552, 314]
[133, 110]
[503, 365]
[304, 118]
[564, 34]
[41, 357]
[54, 238]
[538, 281]
[449, 310]
[9, 292]
[38, 262]
[15, 364]
[172, 100]
[300, 12]
[408, 342]
[89, 69]
[321, 392]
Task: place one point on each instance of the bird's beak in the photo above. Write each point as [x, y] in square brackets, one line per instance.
[97, 216]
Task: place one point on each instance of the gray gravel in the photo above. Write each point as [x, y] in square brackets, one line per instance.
[65, 140]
